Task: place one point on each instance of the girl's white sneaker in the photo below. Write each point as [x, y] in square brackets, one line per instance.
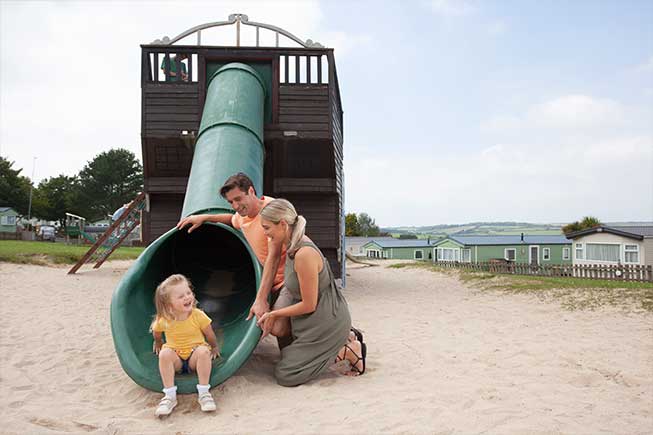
[166, 405]
[206, 402]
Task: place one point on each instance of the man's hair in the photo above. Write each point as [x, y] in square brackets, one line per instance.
[240, 180]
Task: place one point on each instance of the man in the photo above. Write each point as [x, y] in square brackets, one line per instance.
[239, 191]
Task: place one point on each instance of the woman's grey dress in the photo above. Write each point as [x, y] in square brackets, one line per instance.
[318, 336]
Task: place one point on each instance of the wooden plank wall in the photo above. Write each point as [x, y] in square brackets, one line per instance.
[165, 211]
[304, 109]
[166, 158]
[169, 108]
[319, 211]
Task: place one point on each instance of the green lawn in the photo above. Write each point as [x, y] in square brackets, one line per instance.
[572, 293]
[17, 251]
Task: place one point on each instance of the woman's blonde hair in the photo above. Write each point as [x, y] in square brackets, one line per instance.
[282, 210]
[162, 297]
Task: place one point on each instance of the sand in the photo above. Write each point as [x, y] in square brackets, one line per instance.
[443, 358]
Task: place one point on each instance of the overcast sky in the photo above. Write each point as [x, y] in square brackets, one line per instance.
[455, 111]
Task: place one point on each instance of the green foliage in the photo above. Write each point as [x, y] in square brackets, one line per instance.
[408, 236]
[14, 188]
[16, 251]
[111, 179]
[54, 197]
[361, 225]
[586, 223]
[367, 227]
[351, 225]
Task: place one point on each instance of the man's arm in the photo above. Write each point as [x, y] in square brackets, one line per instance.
[270, 267]
[198, 219]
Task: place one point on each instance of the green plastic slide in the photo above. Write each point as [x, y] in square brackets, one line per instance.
[217, 258]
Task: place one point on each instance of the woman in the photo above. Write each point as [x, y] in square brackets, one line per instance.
[319, 316]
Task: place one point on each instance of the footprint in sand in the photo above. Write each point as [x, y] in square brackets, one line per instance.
[86, 427]
[23, 388]
[49, 424]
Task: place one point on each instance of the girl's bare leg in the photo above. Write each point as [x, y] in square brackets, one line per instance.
[169, 364]
[200, 361]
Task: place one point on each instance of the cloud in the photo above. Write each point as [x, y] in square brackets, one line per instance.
[574, 111]
[497, 28]
[452, 8]
[70, 76]
[645, 67]
[558, 160]
[344, 43]
[514, 182]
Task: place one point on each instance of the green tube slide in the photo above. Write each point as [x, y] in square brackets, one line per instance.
[217, 259]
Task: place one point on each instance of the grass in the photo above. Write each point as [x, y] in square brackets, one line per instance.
[45, 253]
[571, 293]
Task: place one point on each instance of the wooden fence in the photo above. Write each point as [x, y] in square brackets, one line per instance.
[620, 272]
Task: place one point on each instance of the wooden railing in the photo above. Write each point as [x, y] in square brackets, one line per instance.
[621, 272]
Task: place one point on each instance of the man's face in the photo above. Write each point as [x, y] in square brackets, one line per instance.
[243, 203]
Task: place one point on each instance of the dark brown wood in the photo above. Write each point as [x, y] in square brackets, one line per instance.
[136, 202]
[275, 89]
[303, 142]
[297, 75]
[303, 90]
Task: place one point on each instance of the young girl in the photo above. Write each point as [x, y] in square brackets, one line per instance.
[187, 331]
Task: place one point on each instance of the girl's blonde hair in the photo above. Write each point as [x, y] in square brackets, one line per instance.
[281, 209]
[162, 297]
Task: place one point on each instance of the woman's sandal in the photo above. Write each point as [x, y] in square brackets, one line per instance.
[358, 358]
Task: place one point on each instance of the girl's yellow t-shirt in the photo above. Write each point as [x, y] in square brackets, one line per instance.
[183, 336]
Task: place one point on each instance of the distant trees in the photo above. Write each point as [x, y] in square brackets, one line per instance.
[55, 196]
[351, 225]
[110, 180]
[586, 223]
[408, 236]
[14, 188]
[361, 225]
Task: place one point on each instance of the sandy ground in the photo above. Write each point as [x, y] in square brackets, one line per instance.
[443, 358]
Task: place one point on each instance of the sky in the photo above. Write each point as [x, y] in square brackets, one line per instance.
[454, 111]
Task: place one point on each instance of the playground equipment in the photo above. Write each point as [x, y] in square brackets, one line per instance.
[253, 120]
[75, 226]
[113, 237]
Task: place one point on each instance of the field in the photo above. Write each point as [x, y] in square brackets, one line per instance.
[571, 293]
[43, 253]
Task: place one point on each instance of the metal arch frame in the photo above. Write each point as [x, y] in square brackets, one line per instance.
[238, 19]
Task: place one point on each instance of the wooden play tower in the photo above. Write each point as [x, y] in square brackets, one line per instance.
[303, 130]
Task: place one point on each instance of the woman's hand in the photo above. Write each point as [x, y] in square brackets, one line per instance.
[266, 322]
[156, 347]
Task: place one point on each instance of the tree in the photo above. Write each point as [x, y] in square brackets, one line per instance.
[367, 226]
[408, 236]
[586, 223]
[351, 225]
[111, 179]
[54, 197]
[14, 188]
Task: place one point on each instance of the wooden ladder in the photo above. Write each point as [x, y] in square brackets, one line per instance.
[113, 236]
